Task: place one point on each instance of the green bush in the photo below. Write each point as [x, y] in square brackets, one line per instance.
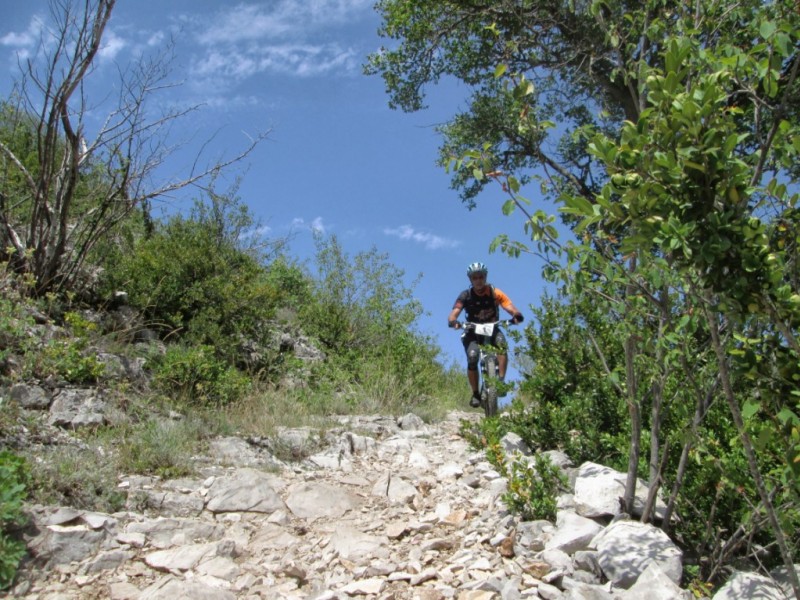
[289, 280]
[566, 400]
[13, 491]
[65, 357]
[363, 313]
[68, 357]
[194, 281]
[15, 323]
[533, 488]
[195, 376]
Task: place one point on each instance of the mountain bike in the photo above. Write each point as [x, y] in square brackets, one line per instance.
[487, 362]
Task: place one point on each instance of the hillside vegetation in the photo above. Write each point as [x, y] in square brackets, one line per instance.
[670, 350]
[230, 342]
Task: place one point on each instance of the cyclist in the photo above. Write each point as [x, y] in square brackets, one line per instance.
[480, 301]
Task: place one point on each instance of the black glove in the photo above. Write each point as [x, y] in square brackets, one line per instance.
[453, 324]
[518, 318]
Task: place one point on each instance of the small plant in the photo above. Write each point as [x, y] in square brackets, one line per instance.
[83, 478]
[485, 434]
[13, 490]
[66, 358]
[697, 587]
[533, 488]
[162, 448]
[199, 377]
[15, 323]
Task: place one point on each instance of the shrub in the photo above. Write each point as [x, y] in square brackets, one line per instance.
[193, 279]
[81, 477]
[16, 321]
[569, 402]
[533, 488]
[13, 490]
[364, 314]
[194, 375]
[69, 357]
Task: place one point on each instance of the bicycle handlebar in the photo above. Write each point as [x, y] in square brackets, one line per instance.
[467, 325]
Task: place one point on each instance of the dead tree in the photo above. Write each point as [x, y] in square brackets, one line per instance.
[80, 186]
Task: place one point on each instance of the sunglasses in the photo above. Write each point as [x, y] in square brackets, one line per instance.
[474, 277]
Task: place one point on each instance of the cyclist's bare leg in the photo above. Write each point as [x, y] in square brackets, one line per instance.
[472, 376]
[502, 365]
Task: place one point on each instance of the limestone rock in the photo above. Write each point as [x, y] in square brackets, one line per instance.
[383, 508]
[627, 548]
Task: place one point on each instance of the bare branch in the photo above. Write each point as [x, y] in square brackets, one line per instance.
[63, 222]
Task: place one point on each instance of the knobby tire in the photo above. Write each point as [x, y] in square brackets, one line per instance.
[490, 400]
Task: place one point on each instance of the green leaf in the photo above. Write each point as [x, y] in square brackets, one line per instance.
[783, 43]
[500, 70]
[695, 166]
[578, 205]
[787, 417]
[767, 29]
[508, 207]
[764, 437]
[750, 408]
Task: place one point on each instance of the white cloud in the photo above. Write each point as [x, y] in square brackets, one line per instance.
[24, 40]
[288, 37]
[26, 43]
[232, 102]
[155, 39]
[317, 225]
[112, 46]
[244, 23]
[23, 43]
[301, 60]
[282, 19]
[256, 233]
[429, 240]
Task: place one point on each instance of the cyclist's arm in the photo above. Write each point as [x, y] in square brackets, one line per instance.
[453, 318]
[506, 303]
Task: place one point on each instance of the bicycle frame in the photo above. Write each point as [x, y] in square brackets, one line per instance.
[488, 368]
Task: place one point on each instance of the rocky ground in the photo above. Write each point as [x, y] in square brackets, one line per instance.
[389, 509]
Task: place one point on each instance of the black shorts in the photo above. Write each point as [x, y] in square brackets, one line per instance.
[471, 342]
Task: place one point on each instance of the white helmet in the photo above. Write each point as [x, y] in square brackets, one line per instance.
[477, 267]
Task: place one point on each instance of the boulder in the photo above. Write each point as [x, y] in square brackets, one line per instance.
[627, 548]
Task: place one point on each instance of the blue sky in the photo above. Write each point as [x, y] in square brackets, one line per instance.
[337, 158]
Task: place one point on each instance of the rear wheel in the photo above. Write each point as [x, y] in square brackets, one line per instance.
[489, 390]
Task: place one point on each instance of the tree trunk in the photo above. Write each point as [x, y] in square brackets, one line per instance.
[636, 425]
[752, 460]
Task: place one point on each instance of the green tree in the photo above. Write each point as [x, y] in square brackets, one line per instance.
[707, 194]
[667, 134]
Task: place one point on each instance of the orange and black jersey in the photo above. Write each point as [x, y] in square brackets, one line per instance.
[482, 307]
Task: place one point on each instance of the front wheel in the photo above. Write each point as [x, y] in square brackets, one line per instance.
[489, 390]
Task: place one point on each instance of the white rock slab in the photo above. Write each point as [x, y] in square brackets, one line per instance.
[317, 500]
[627, 548]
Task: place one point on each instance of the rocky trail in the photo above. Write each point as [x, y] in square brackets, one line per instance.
[387, 509]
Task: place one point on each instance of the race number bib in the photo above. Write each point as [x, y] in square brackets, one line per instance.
[486, 329]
